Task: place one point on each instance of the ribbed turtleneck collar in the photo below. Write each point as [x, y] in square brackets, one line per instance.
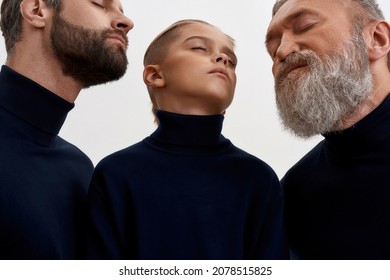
[189, 132]
[369, 132]
[31, 102]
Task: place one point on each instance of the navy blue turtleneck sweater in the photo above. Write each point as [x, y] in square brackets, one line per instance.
[338, 195]
[185, 192]
[43, 179]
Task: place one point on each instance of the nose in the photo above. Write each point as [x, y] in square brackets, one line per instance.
[221, 57]
[286, 47]
[121, 22]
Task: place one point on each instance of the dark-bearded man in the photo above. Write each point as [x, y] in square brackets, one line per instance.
[55, 48]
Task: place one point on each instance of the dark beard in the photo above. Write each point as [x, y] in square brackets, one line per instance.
[85, 54]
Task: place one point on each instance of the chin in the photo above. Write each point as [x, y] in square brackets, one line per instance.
[222, 94]
[221, 105]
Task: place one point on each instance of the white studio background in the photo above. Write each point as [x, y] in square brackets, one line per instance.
[113, 116]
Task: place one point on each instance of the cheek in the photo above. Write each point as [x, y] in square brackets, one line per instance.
[87, 20]
[179, 74]
[332, 39]
[176, 64]
[234, 81]
[274, 69]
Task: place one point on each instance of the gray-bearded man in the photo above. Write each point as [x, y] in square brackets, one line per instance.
[331, 68]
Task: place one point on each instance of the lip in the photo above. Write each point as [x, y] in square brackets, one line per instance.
[293, 67]
[119, 38]
[220, 71]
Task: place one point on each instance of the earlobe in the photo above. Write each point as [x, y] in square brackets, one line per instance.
[379, 41]
[34, 12]
[153, 76]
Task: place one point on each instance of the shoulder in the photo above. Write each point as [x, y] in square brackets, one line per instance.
[123, 158]
[72, 150]
[249, 163]
[67, 146]
[306, 166]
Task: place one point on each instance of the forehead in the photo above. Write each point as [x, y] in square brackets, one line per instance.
[321, 7]
[203, 30]
[336, 14]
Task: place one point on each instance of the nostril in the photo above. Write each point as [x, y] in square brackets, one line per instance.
[121, 25]
[222, 59]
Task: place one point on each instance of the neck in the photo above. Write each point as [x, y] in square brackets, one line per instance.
[189, 130]
[191, 104]
[47, 72]
[379, 93]
[358, 114]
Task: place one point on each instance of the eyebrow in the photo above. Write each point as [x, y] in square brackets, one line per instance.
[293, 17]
[225, 49]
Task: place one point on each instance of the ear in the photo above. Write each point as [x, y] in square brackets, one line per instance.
[378, 40]
[35, 12]
[153, 76]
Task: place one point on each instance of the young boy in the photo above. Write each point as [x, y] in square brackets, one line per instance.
[186, 192]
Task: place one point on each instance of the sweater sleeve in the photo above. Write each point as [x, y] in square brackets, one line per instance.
[272, 244]
[103, 241]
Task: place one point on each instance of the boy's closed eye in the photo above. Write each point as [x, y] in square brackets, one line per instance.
[200, 44]
[199, 48]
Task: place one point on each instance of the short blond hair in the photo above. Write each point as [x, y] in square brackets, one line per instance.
[158, 48]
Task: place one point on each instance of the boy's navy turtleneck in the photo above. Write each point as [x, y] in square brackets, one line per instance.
[188, 133]
[185, 192]
[337, 196]
[43, 179]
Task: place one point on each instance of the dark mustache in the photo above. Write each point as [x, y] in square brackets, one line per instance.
[116, 32]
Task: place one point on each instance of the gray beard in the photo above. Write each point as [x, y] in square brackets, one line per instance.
[330, 90]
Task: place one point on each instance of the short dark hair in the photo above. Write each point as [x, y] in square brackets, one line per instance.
[11, 20]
